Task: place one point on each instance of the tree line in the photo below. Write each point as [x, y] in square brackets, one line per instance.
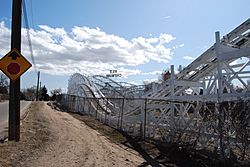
[27, 93]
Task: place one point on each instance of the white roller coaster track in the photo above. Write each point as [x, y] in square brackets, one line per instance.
[211, 78]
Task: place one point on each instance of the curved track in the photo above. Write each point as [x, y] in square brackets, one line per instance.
[188, 105]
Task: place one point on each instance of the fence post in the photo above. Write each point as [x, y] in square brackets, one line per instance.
[77, 104]
[66, 102]
[70, 102]
[145, 118]
[118, 119]
[220, 126]
[123, 100]
[97, 108]
[83, 102]
[82, 105]
[109, 115]
[219, 91]
[74, 104]
[102, 117]
[89, 106]
[105, 112]
[101, 113]
[143, 122]
[70, 97]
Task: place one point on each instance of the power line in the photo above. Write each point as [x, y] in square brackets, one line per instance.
[31, 9]
[28, 34]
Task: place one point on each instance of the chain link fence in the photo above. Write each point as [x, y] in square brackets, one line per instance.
[223, 127]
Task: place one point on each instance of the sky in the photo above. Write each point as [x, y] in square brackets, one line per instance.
[138, 38]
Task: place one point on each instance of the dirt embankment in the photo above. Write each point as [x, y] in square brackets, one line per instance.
[50, 138]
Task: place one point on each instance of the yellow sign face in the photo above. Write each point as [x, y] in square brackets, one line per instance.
[13, 64]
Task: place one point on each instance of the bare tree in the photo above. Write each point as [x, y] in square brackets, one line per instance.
[30, 93]
[3, 84]
[55, 93]
[165, 75]
[44, 94]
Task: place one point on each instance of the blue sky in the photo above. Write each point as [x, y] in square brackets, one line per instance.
[139, 38]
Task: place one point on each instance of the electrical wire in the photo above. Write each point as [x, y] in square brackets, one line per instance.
[31, 10]
[28, 34]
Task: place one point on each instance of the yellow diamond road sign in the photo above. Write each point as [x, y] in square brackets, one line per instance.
[13, 64]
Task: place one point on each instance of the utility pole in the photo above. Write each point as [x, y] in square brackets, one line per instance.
[37, 86]
[14, 100]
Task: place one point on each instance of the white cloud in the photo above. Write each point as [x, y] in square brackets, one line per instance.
[188, 58]
[152, 73]
[147, 81]
[166, 17]
[134, 83]
[165, 38]
[88, 50]
[178, 46]
[4, 39]
[126, 72]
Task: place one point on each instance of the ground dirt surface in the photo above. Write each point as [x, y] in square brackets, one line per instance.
[50, 138]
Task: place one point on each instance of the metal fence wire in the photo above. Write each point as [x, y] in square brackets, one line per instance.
[222, 127]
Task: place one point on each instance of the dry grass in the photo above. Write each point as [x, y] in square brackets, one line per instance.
[158, 153]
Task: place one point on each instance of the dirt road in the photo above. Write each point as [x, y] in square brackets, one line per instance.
[50, 138]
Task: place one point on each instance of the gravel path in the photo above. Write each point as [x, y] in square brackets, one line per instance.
[63, 141]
